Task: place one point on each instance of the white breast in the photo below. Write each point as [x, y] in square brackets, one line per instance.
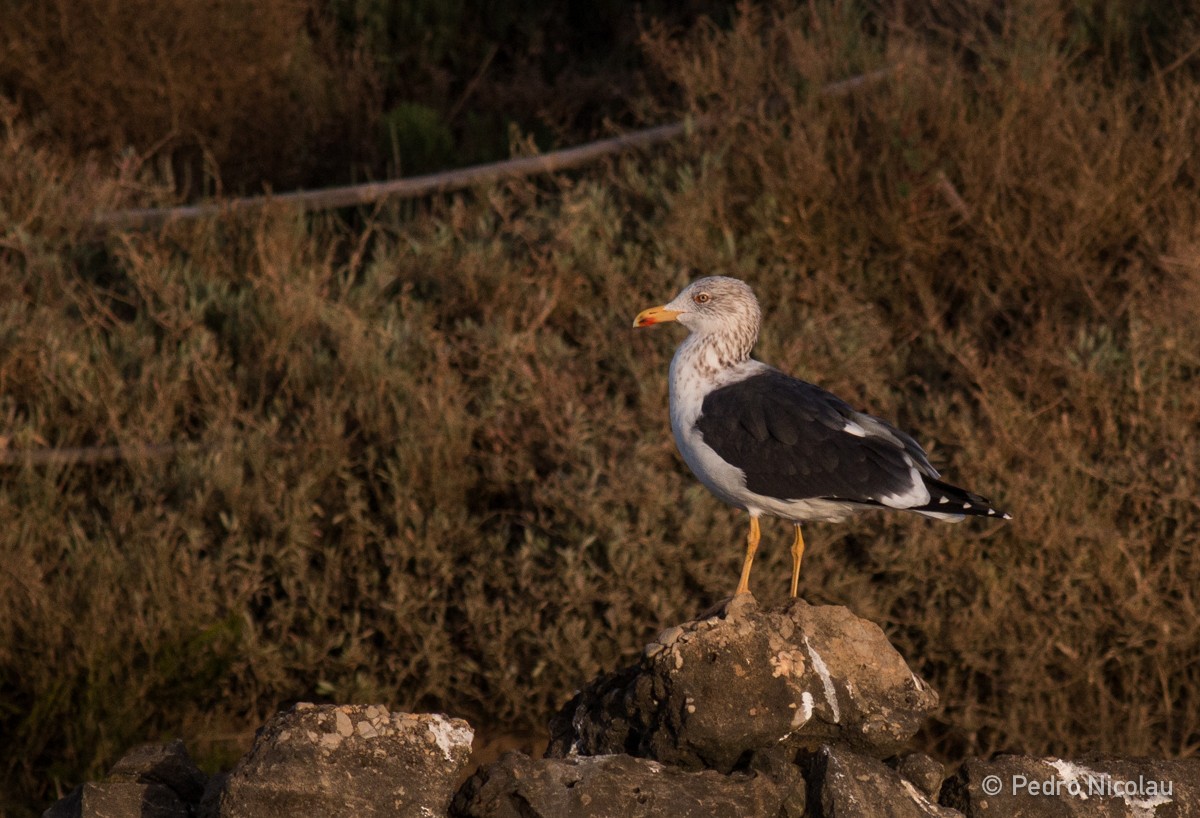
[694, 375]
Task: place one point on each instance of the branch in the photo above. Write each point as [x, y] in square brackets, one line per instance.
[416, 186]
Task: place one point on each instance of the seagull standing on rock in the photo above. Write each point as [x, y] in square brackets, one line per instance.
[772, 444]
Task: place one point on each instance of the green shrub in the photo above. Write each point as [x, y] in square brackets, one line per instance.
[417, 138]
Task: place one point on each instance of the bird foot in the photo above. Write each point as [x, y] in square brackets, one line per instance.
[732, 606]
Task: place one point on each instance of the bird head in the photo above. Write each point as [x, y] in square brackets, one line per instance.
[717, 305]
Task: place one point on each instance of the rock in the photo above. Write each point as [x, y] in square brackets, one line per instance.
[149, 780]
[210, 801]
[352, 760]
[119, 799]
[848, 785]
[925, 773]
[167, 764]
[613, 786]
[779, 765]
[1033, 787]
[712, 691]
[69, 806]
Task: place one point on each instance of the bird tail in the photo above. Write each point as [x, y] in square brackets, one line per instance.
[947, 502]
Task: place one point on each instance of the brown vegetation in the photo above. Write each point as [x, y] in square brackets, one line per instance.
[246, 95]
[217, 89]
[430, 464]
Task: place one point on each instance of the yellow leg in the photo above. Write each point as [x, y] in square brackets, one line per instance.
[797, 555]
[751, 547]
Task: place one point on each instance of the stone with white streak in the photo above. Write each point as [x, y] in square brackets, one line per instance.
[710, 692]
[349, 760]
[1009, 786]
[848, 785]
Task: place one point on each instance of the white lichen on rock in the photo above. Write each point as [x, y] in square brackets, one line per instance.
[450, 736]
[826, 680]
[804, 713]
[1079, 781]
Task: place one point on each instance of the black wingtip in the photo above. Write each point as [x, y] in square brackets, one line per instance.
[947, 499]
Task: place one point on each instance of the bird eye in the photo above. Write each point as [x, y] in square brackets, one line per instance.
[701, 298]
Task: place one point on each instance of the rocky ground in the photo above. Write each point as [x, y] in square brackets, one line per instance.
[788, 712]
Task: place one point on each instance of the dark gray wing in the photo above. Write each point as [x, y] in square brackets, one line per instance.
[796, 441]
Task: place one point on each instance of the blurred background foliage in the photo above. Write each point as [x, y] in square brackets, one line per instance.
[418, 457]
[235, 95]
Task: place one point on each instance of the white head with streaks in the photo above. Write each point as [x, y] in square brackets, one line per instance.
[719, 310]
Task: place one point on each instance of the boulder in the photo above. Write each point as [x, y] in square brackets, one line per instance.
[167, 764]
[615, 786]
[1010, 785]
[348, 760]
[119, 799]
[709, 693]
[150, 781]
[847, 785]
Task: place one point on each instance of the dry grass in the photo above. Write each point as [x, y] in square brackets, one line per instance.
[233, 90]
[242, 96]
[432, 464]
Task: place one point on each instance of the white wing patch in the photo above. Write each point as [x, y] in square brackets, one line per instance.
[943, 516]
[917, 493]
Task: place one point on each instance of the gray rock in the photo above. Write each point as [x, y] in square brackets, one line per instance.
[613, 786]
[925, 773]
[167, 764]
[712, 691]
[1009, 786]
[149, 780]
[69, 806]
[351, 760]
[779, 765]
[119, 799]
[848, 785]
[210, 801]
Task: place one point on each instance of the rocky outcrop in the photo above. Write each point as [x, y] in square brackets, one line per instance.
[352, 760]
[150, 781]
[804, 676]
[792, 712]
